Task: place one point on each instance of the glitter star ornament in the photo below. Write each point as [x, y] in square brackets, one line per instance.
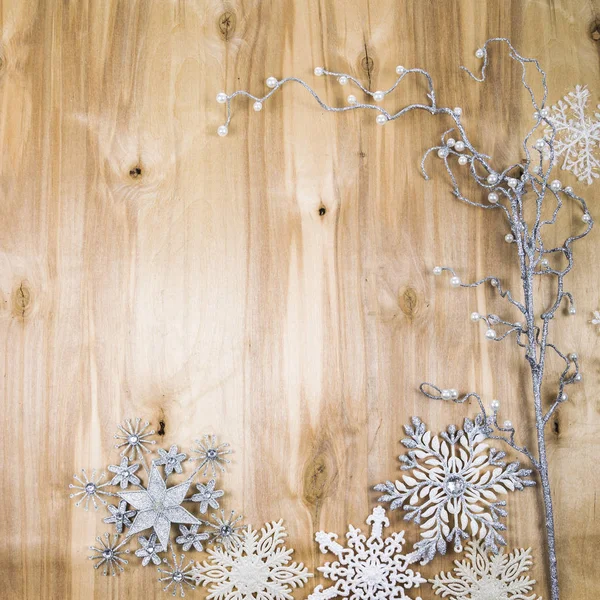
[159, 506]
[373, 567]
[255, 567]
[485, 576]
[454, 487]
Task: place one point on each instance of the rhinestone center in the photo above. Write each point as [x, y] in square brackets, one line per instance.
[455, 486]
[90, 488]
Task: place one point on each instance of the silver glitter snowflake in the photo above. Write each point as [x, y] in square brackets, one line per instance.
[150, 548]
[190, 537]
[258, 566]
[124, 473]
[372, 567]
[207, 496]
[454, 487]
[120, 516]
[224, 530]
[108, 554]
[577, 134]
[135, 438]
[90, 489]
[484, 576]
[171, 460]
[211, 455]
[159, 506]
[177, 575]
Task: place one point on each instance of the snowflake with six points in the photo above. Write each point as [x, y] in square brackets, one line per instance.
[190, 537]
[453, 488]
[207, 496]
[483, 576]
[171, 460]
[258, 566]
[150, 547]
[124, 473]
[119, 515]
[372, 567]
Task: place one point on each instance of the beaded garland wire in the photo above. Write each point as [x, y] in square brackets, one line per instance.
[506, 190]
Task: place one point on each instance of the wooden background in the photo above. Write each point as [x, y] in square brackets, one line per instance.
[274, 286]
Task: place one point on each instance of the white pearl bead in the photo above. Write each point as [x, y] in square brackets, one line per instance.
[572, 310]
[507, 425]
[381, 119]
[564, 397]
[221, 97]
[540, 144]
[400, 69]
[222, 130]
[492, 178]
[578, 377]
[544, 112]
[493, 197]
[544, 262]
[518, 324]
[555, 185]
[479, 53]
[378, 96]
[490, 334]
[509, 238]
[454, 393]
[495, 405]
[455, 281]
[475, 316]
[446, 395]
[343, 80]
[568, 190]
[537, 170]
[442, 152]
[319, 71]
[458, 111]
[459, 146]
[573, 356]
[494, 282]
[271, 82]
[586, 217]
[351, 99]
[257, 106]
[437, 270]
[512, 182]
[463, 160]
[450, 142]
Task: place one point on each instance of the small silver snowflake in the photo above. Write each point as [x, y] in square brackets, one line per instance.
[124, 473]
[224, 530]
[108, 554]
[370, 567]
[119, 515]
[171, 460]
[90, 489]
[150, 547]
[135, 438]
[177, 575]
[577, 135]
[207, 496]
[256, 568]
[190, 537]
[483, 576]
[453, 487]
[211, 455]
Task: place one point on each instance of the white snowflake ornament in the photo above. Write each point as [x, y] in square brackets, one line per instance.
[483, 576]
[454, 487]
[577, 135]
[372, 567]
[257, 566]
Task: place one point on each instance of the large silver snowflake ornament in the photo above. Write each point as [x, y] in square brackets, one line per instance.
[371, 567]
[577, 135]
[452, 487]
[257, 566]
[484, 576]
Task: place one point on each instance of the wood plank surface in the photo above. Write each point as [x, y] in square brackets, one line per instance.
[273, 287]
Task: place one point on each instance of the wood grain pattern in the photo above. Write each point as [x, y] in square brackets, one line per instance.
[274, 286]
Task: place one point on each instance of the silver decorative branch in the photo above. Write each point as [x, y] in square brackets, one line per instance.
[507, 190]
